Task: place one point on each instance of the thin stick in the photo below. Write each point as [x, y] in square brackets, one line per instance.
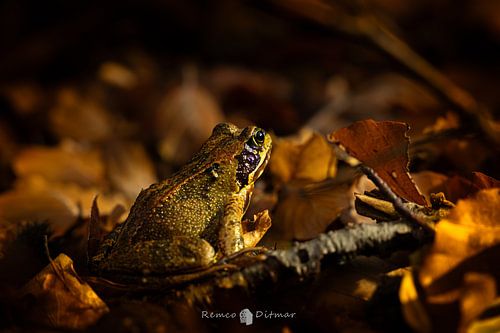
[400, 207]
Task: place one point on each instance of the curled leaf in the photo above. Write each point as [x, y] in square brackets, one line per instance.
[67, 163]
[413, 309]
[129, 168]
[306, 210]
[471, 227]
[57, 297]
[458, 276]
[82, 118]
[458, 187]
[307, 156]
[38, 205]
[382, 146]
[77, 196]
[185, 119]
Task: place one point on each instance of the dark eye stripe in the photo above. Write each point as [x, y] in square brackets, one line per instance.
[247, 163]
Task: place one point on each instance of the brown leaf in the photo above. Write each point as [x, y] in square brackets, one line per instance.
[117, 74]
[429, 182]
[38, 205]
[69, 163]
[25, 97]
[185, 119]
[129, 167]
[449, 121]
[82, 118]
[458, 187]
[307, 156]
[489, 323]
[459, 274]
[483, 181]
[35, 199]
[383, 146]
[56, 297]
[306, 210]
[471, 227]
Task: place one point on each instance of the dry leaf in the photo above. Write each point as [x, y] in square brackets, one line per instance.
[78, 196]
[482, 181]
[129, 168]
[472, 226]
[25, 97]
[306, 210]
[413, 309]
[117, 74]
[307, 156]
[38, 205]
[383, 146]
[68, 162]
[487, 323]
[56, 297]
[81, 118]
[449, 121]
[429, 182]
[185, 119]
[458, 187]
[459, 273]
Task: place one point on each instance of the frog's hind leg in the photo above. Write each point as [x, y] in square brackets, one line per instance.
[169, 256]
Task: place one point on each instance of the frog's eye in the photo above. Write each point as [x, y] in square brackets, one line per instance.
[259, 137]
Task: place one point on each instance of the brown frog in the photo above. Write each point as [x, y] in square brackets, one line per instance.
[191, 219]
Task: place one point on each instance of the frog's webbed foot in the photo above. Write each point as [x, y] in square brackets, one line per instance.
[253, 231]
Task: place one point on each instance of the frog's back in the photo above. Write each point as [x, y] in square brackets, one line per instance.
[190, 202]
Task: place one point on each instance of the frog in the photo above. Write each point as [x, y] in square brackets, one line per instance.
[192, 219]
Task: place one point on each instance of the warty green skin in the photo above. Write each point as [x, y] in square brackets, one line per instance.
[180, 223]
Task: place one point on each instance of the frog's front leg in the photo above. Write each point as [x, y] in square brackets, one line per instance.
[231, 231]
[161, 256]
[253, 231]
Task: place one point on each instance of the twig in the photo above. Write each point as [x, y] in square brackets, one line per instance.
[300, 261]
[400, 207]
[303, 260]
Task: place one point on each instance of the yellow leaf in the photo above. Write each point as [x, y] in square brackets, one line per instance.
[60, 299]
[307, 156]
[457, 278]
[306, 210]
[488, 324]
[413, 310]
[473, 225]
[69, 163]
